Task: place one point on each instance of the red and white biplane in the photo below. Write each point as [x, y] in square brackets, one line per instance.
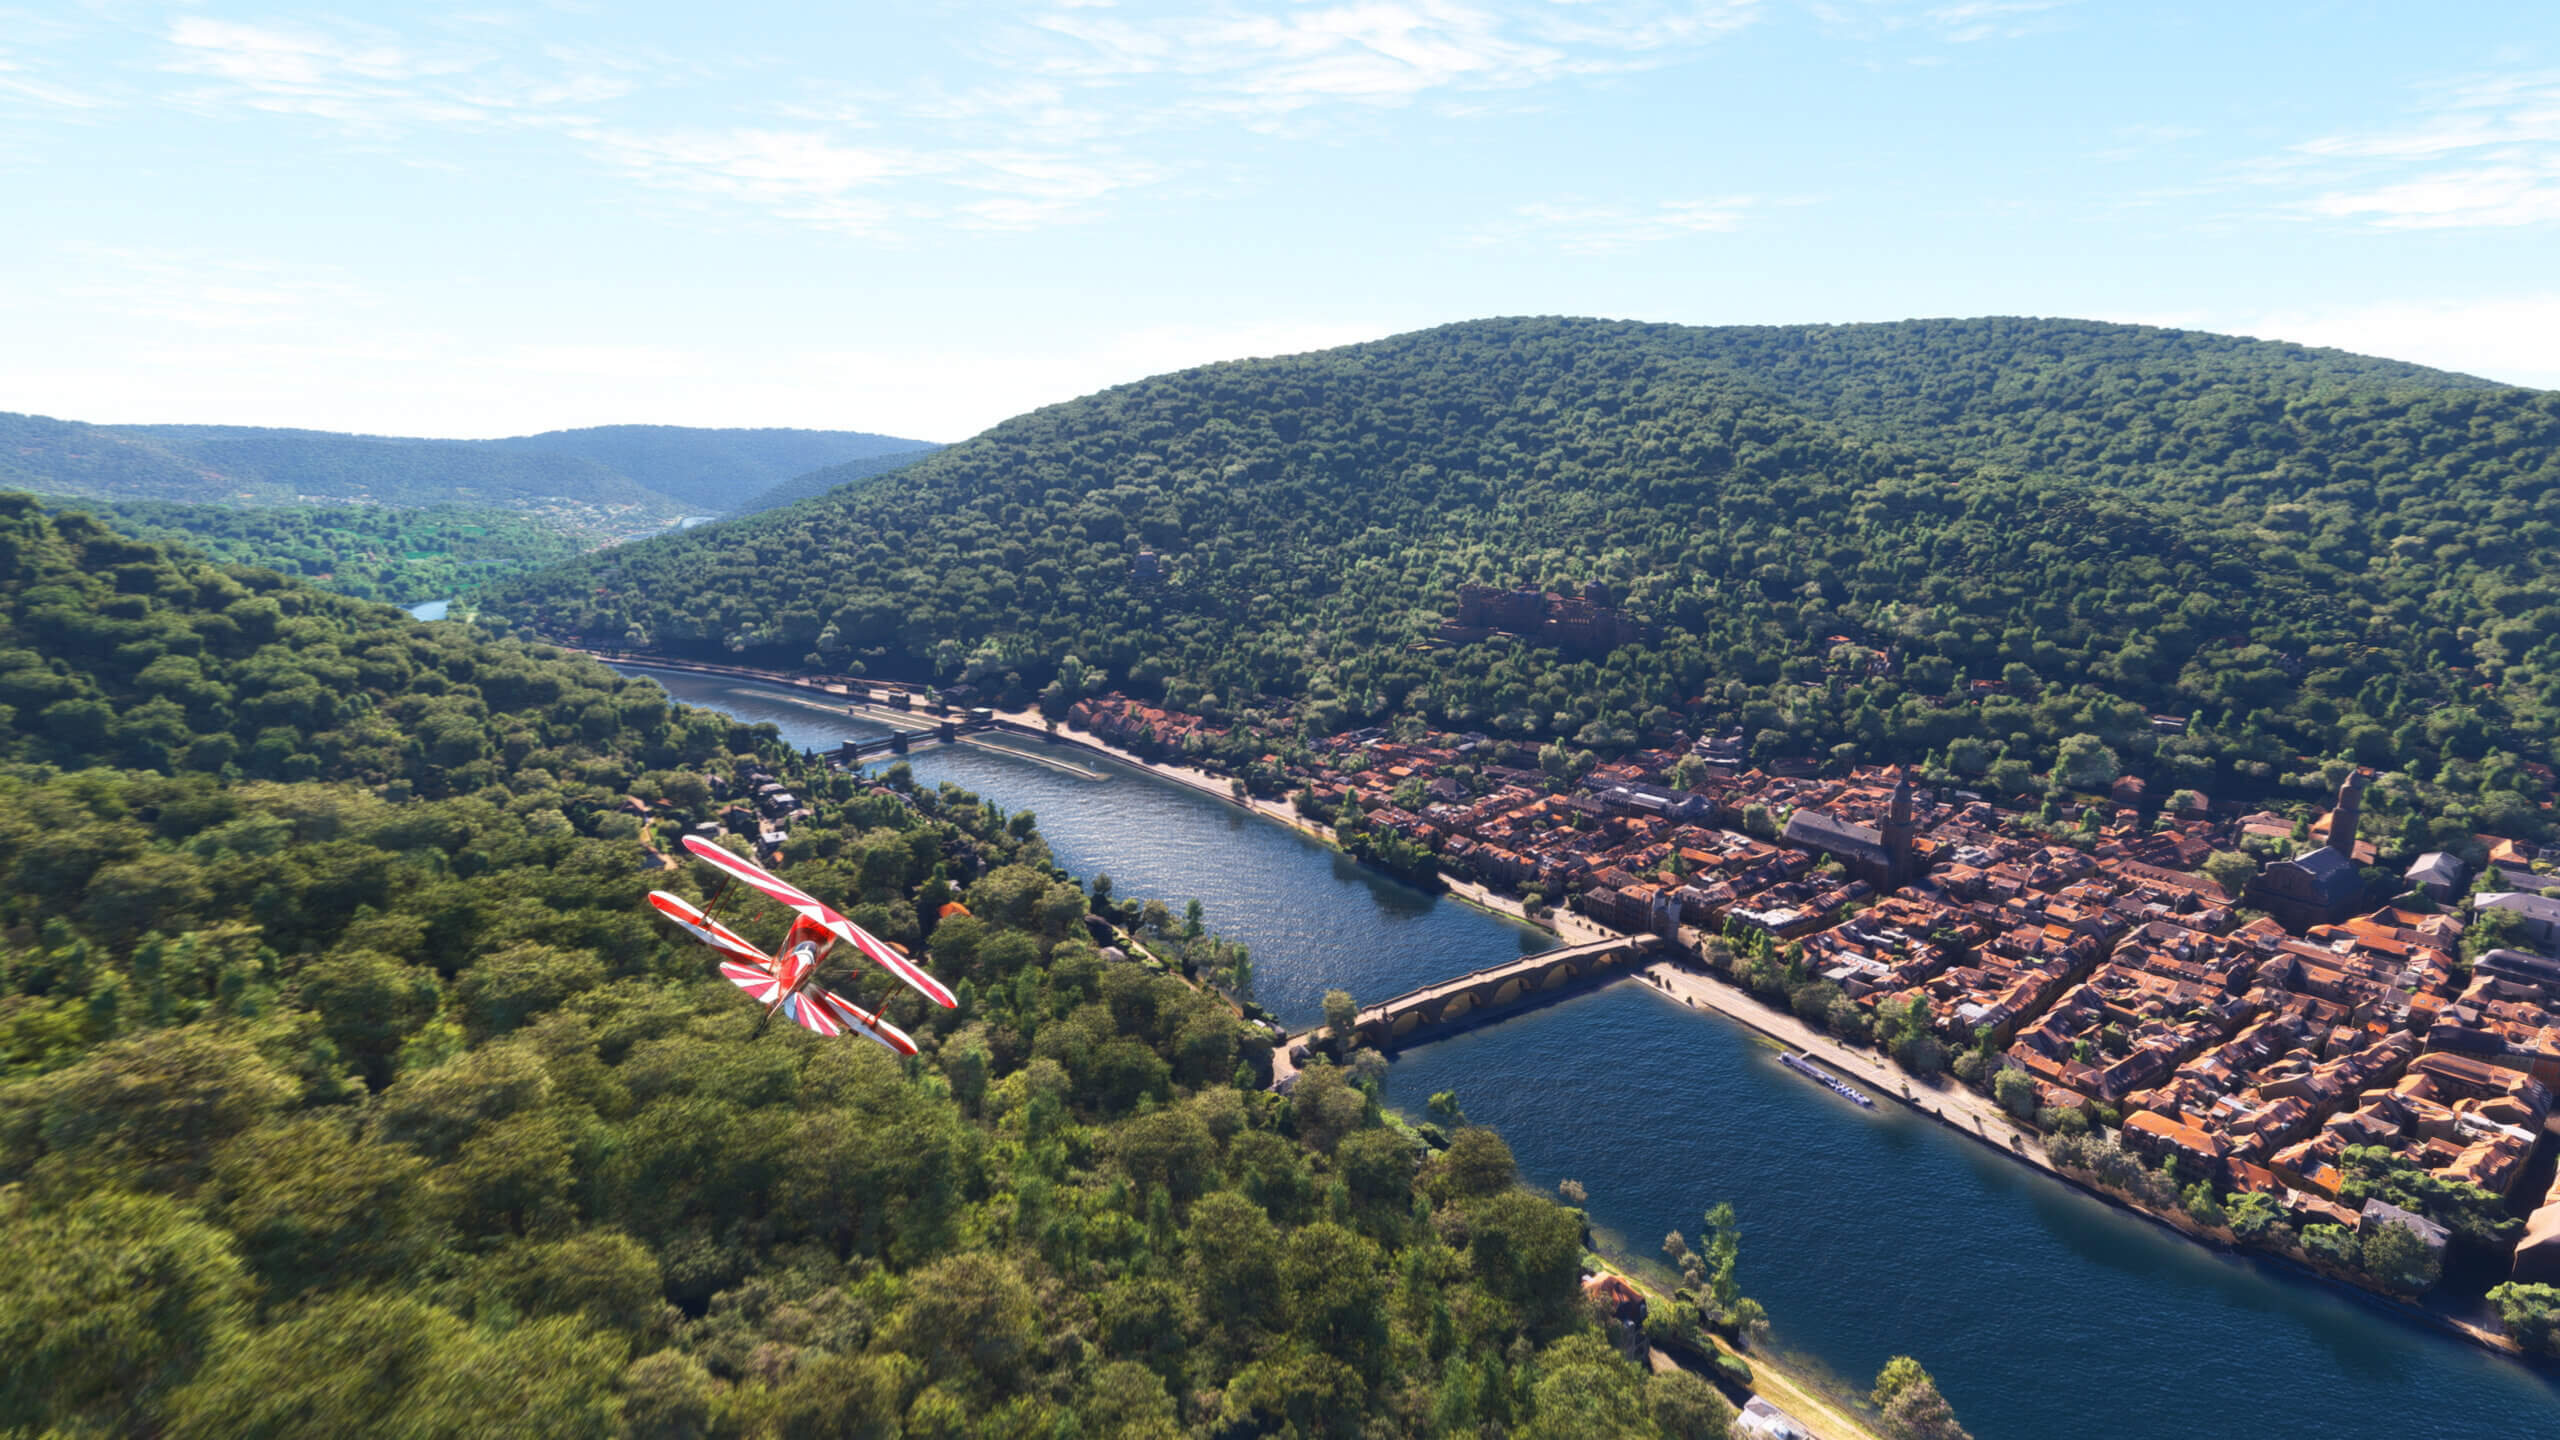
[786, 982]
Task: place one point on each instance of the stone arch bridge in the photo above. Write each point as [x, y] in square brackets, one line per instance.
[1417, 1014]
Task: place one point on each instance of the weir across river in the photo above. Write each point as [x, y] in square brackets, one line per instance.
[1410, 1017]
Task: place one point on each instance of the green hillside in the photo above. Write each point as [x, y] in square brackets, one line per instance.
[2309, 554]
[372, 552]
[608, 481]
[818, 482]
[347, 1087]
[720, 471]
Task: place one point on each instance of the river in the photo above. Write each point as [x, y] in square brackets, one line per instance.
[2041, 1311]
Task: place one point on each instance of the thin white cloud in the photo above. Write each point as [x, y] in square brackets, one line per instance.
[359, 81]
[1965, 24]
[2522, 190]
[1962, 23]
[1584, 228]
[209, 293]
[1082, 101]
[1266, 60]
[2484, 153]
[821, 179]
[20, 81]
[373, 83]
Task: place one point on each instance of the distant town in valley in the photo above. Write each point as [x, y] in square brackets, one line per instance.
[2291, 1062]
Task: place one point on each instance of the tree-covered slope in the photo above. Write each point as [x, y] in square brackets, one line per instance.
[819, 482]
[2309, 554]
[236, 464]
[372, 552]
[626, 474]
[348, 1087]
[2170, 411]
[721, 471]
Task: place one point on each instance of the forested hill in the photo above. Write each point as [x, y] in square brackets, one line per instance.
[2306, 554]
[373, 552]
[2126, 404]
[720, 471]
[819, 482]
[644, 473]
[349, 1087]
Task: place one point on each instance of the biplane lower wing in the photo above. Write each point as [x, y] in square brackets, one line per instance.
[705, 929]
[817, 1009]
[757, 981]
[869, 1026]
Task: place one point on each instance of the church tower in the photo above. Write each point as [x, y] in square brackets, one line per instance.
[2342, 821]
[1897, 829]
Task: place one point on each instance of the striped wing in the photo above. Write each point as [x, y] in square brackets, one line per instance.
[818, 1010]
[902, 967]
[748, 872]
[871, 1027]
[804, 1009]
[705, 929]
[757, 981]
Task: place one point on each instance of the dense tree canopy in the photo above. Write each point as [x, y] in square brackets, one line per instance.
[1977, 540]
[346, 1087]
[371, 552]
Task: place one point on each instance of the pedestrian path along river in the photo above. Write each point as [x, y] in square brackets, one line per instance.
[2044, 1314]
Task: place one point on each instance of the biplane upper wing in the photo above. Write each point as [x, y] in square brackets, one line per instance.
[739, 868]
[707, 930]
[902, 967]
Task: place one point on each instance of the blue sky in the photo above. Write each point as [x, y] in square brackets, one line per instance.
[921, 219]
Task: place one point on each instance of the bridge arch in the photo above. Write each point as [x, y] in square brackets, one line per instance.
[1464, 997]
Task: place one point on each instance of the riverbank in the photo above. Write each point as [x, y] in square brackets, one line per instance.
[1281, 812]
[1959, 1108]
[1808, 1403]
[1954, 1105]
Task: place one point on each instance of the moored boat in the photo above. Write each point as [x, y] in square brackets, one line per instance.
[1807, 1068]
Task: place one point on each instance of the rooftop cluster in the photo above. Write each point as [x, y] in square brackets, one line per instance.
[2111, 977]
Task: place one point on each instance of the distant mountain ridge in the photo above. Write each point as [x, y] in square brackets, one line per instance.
[650, 473]
[724, 471]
